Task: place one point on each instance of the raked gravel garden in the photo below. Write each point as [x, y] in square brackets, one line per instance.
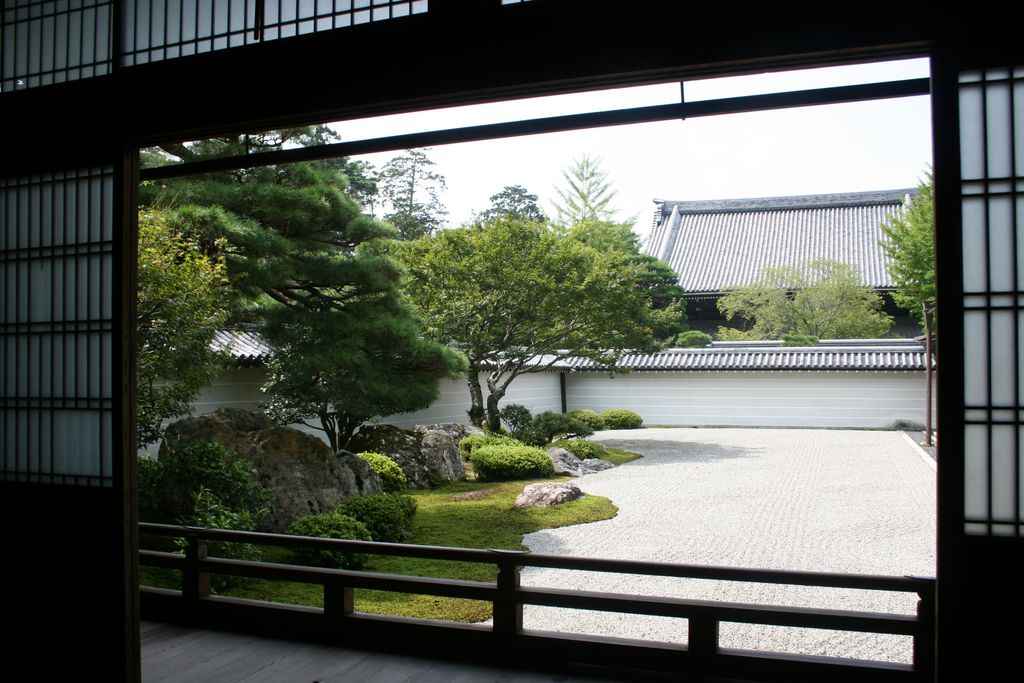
[802, 499]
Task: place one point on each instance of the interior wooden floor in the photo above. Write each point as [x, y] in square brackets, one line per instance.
[178, 654]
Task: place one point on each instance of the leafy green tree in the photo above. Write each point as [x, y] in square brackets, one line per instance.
[823, 299]
[587, 193]
[516, 296]
[317, 275]
[514, 201]
[178, 312]
[910, 243]
[412, 192]
[655, 277]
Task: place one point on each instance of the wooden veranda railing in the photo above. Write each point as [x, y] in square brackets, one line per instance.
[506, 639]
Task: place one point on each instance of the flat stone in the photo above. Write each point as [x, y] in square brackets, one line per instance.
[546, 494]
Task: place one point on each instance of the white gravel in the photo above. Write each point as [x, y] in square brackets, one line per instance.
[821, 500]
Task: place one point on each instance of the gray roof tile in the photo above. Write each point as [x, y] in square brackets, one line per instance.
[718, 244]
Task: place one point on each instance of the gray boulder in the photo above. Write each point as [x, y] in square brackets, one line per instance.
[591, 465]
[546, 494]
[565, 462]
[305, 476]
[428, 457]
[456, 430]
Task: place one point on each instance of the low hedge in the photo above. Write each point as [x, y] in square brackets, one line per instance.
[387, 516]
[391, 475]
[474, 441]
[546, 426]
[511, 462]
[622, 419]
[330, 525]
[590, 418]
[582, 448]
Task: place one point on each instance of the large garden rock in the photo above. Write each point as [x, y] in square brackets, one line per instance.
[565, 462]
[591, 465]
[456, 430]
[305, 476]
[546, 494]
[427, 457]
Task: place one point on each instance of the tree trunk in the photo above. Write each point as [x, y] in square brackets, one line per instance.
[476, 396]
[493, 412]
[329, 425]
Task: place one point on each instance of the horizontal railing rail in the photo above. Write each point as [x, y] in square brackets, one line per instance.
[508, 597]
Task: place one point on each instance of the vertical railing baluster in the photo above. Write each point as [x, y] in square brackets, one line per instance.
[194, 583]
[924, 639]
[339, 600]
[508, 611]
[703, 640]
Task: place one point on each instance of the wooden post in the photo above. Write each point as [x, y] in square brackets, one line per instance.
[924, 640]
[194, 583]
[339, 600]
[703, 640]
[929, 311]
[508, 612]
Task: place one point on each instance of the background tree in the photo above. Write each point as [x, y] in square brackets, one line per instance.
[316, 274]
[514, 201]
[655, 278]
[516, 296]
[179, 311]
[822, 299]
[412, 192]
[586, 194]
[910, 243]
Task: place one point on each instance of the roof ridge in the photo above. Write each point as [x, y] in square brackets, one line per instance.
[783, 202]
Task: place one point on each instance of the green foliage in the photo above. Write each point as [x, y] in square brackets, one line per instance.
[391, 475]
[178, 312]
[516, 296]
[168, 487]
[589, 418]
[693, 339]
[587, 193]
[514, 201]
[511, 462]
[549, 425]
[654, 278]
[910, 243]
[330, 525]
[799, 340]
[622, 419]
[582, 448]
[318, 276]
[387, 516]
[822, 299]
[413, 194]
[210, 512]
[517, 418]
[474, 441]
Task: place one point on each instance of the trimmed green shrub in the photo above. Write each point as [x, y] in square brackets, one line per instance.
[693, 339]
[517, 418]
[391, 475]
[387, 516]
[622, 419]
[590, 418]
[582, 448]
[330, 525]
[511, 462]
[548, 425]
[475, 441]
[168, 485]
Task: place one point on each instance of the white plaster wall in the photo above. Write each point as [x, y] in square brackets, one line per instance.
[758, 399]
[538, 391]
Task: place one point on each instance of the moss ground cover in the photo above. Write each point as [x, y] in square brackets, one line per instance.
[462, 514]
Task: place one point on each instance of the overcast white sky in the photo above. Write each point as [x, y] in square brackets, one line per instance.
[836, 148]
